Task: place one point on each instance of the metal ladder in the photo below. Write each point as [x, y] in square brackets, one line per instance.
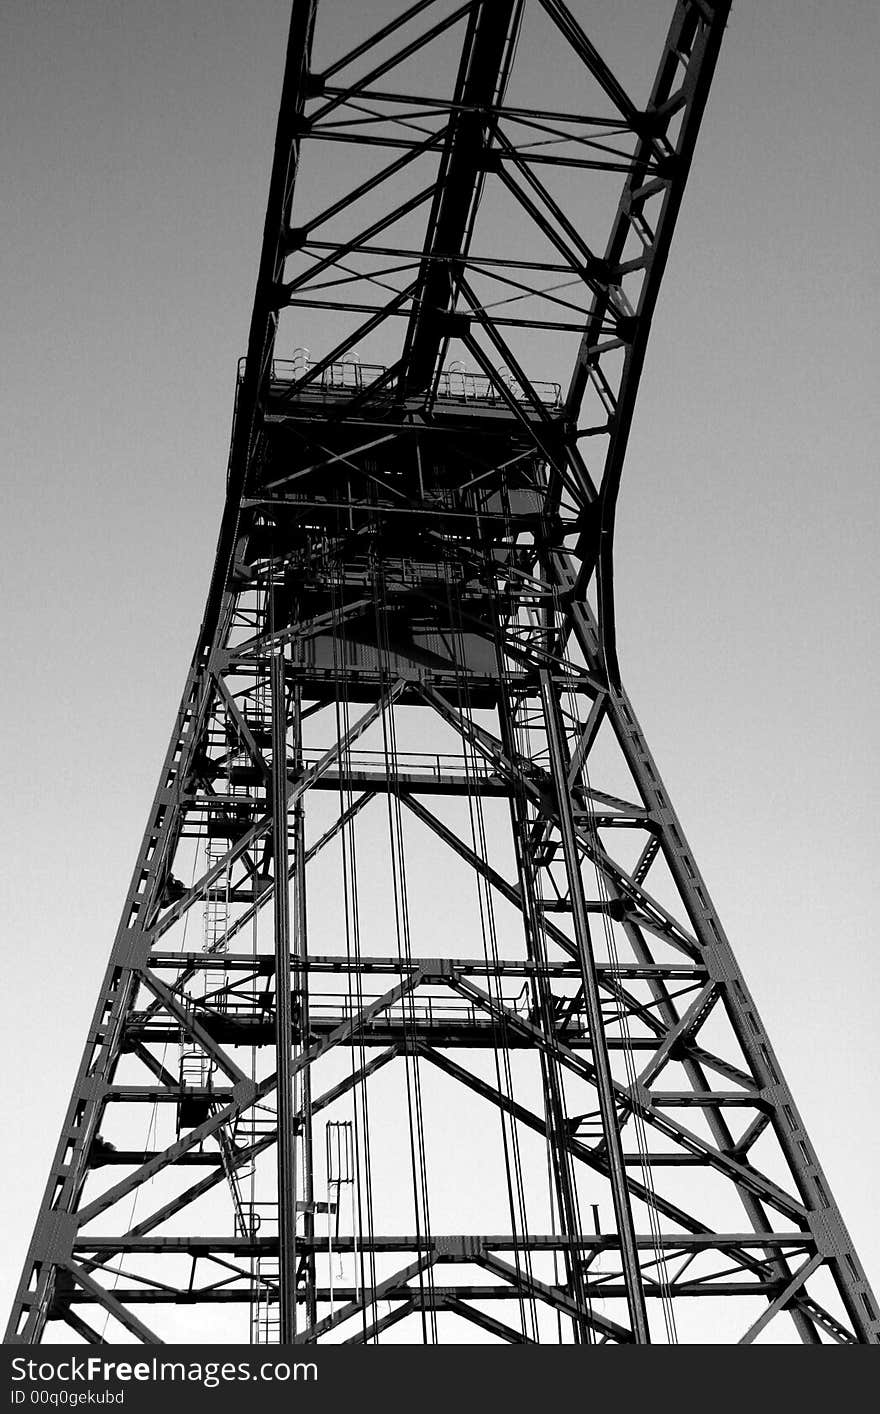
[340, 1160]
[257, 1217]
[265, 1291]
[196, 1068]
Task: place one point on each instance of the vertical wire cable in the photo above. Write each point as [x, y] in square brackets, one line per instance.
[500, 1030]
[363, 1186]
[404, 950]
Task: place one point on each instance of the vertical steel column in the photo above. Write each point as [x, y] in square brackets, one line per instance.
[301, 990]
[536, 948]
[617, 1172]
[283, 1017]
[558, 1131]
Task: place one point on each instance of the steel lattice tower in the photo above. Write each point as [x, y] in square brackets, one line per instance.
[419, 1018]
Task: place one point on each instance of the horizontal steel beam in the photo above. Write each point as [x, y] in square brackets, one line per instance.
[503, 967]
[259, 1031]
[460, 1247]
[598, 1290]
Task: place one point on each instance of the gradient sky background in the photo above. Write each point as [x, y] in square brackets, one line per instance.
[136, 144]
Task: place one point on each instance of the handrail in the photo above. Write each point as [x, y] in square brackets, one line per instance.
[454, 385]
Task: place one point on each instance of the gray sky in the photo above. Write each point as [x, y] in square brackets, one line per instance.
[136, 140]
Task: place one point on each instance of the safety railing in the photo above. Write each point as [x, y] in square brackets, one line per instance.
[423, 1011]
[438, 766]
[455, 384]
[459, 385]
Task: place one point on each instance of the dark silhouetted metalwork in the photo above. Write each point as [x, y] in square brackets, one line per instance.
[419, 1014]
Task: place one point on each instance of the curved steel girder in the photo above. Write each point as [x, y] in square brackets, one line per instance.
[261, 336]
[697, 32]
[694, 36]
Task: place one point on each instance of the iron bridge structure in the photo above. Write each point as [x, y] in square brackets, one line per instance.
[420, 1024]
